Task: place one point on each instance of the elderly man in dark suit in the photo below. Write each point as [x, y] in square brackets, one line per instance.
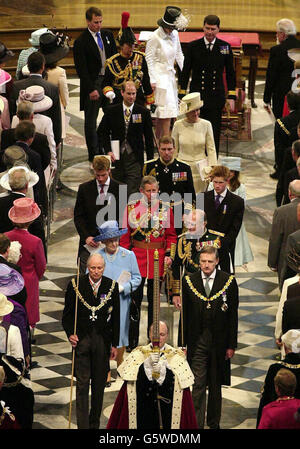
[93, 196]
[91, 49]
[224, 211]
[205, 60]
[130, 124]
[285, 222]
[36, 66]
[210, 322]
[280, 67]
[96, 337]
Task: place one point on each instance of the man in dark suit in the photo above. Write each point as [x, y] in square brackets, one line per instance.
[130, 124]
[36, 66]
[210, 322]
[207, 58]
[287, 176]
[93, 196]
[224, 211]
[280, 67]
[96, 337]
[285, 222]
[291, 309]
[40, 142]
[91, 49]
[285, 133]
[4, 254]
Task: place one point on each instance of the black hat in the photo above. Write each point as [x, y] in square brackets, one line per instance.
[53, 46]
[126, 35]
[4, 53]
[173, 18]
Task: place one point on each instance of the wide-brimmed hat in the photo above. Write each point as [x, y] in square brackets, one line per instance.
[292, 339]
[5, 54]
[54, 46]
[173, 18]
[33, 178]
[24, 210]
[5, 77]
[109, 230]
[6, 306]
[35, 36]
[36, 95]
[189, 103]
[11, 281]
[294, 54]
[231, 162]
[15, 371]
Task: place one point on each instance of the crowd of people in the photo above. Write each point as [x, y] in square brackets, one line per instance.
[144, 221]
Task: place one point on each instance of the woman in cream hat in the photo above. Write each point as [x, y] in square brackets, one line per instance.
[10, 336]
[194, 139]
[243, 253]
[32, 261]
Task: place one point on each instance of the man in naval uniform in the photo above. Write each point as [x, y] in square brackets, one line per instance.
[210, 324]
[96, 338]
[188, 249]
[155, 393]
[150, 225]
[207, 58]
[127, 65]
[172, 175]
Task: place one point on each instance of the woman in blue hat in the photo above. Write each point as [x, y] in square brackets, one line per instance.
[243, 253]
[120, 265]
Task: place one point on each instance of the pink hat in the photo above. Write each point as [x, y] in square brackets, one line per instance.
[4, 77]
[24, 210]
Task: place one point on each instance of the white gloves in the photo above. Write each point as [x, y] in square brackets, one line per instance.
[154, 357]
[110, 95]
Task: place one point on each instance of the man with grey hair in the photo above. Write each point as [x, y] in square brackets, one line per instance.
[285, 221]
[280, 67]
[95, 337]
[40, 143]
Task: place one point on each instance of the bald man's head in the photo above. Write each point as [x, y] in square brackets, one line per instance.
[95, 266]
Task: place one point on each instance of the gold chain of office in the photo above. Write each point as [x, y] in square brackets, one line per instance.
[87, 305]
[204, 298]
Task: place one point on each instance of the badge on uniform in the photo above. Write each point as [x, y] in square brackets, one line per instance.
[137, 118]
[224, 306]
[224, 49]
[179, 176]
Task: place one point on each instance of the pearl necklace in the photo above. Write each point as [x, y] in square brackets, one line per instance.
[111, 258]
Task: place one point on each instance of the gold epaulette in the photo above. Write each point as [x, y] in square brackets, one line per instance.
[107, 89]
[283, 127]
[150, 98]
[216, 233]
[150, 160]
[139, 52]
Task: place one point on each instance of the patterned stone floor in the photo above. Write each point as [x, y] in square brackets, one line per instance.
[258, 286]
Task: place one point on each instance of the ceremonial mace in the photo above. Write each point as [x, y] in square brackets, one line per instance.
[181, 307]
[155, 330]
[73, 349]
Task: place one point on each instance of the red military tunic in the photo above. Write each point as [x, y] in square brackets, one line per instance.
[150, 227]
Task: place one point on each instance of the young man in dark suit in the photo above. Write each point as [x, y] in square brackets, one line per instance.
[91, 49]
[130, 124]
[210, 324]
[224, 211]
[101, 192]
[36, 66]
[280, 67]
[207, 58]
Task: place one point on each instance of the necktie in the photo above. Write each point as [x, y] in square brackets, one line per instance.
[99, 40]
[209, 46]
[127, 115]
[102, 196]
[217, 201]
[206, 287]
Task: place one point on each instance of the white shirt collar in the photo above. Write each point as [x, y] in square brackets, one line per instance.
[206, 41]
[93, 33]
[223, 194]
[129, 107]
[107, 182]
[212, 276]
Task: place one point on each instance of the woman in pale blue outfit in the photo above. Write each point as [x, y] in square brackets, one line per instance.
[121, 266]
[243, 253]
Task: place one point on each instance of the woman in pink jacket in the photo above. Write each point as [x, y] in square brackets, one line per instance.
[32, 260]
